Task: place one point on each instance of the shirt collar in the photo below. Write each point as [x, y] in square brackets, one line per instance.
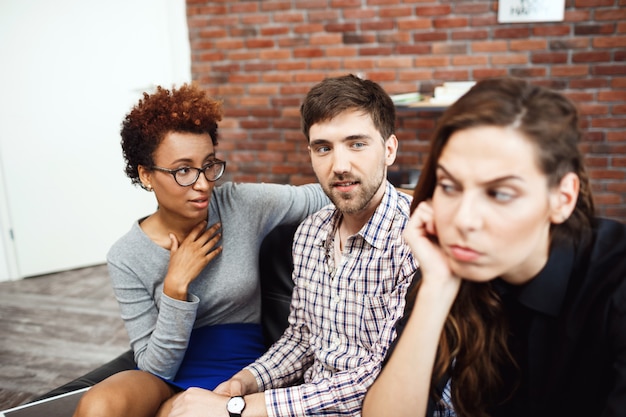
[375, 230]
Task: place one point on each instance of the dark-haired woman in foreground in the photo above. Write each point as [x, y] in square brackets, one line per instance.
[522, 298]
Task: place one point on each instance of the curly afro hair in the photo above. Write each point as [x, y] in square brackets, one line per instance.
[187, 109]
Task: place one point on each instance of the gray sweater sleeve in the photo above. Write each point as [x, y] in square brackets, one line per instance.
[158, 326]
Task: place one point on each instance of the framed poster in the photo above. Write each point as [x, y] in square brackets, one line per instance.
[516, 11]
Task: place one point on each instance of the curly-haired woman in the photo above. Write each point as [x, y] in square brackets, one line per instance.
[186, 276]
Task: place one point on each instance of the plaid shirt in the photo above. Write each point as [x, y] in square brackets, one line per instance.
[342, 316]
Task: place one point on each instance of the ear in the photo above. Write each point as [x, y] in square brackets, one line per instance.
[145, 176]
[563, 198]
[391, 149]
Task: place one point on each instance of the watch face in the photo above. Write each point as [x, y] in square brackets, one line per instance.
[236, 405]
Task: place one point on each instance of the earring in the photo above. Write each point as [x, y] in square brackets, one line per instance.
[149, 187]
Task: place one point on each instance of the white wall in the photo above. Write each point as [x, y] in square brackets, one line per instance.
[71, 70]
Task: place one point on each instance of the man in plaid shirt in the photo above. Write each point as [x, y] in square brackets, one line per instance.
[351, 270]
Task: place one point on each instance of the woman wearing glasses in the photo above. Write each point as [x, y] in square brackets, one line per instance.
[186, 276]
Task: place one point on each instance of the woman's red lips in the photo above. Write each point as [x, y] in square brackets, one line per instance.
[464, 254]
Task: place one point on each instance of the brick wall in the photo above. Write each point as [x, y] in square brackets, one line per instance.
[261, 57]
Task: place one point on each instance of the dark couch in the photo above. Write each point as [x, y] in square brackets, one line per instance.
[276, 285]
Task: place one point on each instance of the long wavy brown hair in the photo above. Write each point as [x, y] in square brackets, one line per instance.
[473, 345]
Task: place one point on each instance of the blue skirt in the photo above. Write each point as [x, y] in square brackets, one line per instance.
[215, 353]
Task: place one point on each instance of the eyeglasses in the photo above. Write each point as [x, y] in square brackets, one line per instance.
[187, 176]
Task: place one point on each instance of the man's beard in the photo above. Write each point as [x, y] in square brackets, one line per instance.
[351, 203]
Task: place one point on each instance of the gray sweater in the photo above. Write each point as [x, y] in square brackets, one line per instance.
[226, 291]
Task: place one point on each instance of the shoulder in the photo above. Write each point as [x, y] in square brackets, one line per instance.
[604, 260]
[134, 237]
[135, 248]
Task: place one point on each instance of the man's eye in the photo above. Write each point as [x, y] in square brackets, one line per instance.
[358, 145]
[323, 149]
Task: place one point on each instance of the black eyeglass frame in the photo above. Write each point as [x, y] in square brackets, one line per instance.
[211, 164]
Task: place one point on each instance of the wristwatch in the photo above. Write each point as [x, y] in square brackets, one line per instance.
[235, 406]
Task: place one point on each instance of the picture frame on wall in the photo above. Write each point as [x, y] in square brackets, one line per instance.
[521, 11]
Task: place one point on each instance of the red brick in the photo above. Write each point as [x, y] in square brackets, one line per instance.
[359, 13]
[491, 46]
[414, 24]
[551, 30]
[450, 22]
[592, 56]
[589, 109]
[308, 52]
[326, 64]
[609, 123]
[511, 33]
[414, 75]
[322, 15]
[618, 187]
[618, 82]
[593, 3]
[611, 14]
[596, 161]
[419, 49]
[399, 62]
[450, 48]
[609, 42]
[465, 8]
[481, 73]
[548, 58]
[528, 45]
[451, 75]
[378, 51]
[594, 29]
[606, 174]
[391, 12]
[619, 109]
[595, 83]
[578, 15]
[430, 36]
[470, 35]
[528, 72]
[254, 19]
[469, 60]
[394, 37]
[247, 7]
[378, 25]
[345, 3]
[609, 69]
[432, 61]
[566, 44]
[432, 10]
[325, 39]
[509, 59]
[569, 70]
[604, 199]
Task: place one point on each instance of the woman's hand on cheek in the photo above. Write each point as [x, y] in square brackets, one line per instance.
[421, 236]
